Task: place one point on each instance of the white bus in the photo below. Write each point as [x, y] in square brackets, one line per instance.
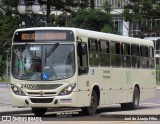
[70, 67]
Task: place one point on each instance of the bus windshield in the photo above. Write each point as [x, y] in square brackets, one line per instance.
[43, 62]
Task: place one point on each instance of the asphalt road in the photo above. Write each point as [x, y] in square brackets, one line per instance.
[78, 116]
[150, 105]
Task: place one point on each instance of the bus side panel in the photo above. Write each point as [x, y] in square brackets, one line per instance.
[83, 98]
[152, 84]
[136, 80]
[83, 90]
[119, 87]
[145, 80]
[104, 83]
[141, 77]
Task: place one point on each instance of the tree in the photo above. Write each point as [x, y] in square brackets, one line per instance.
[91, 20]
[65, 6]
[62, 5]
[92, 4]
[2, 68]
[11, 3]
[142, 10]
[107, 28]
[61, 19]
[10, 18]
[8, 24]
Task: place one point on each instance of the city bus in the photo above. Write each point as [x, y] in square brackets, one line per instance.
[54, 67]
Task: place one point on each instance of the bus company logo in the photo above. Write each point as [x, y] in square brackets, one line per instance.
[41, 93]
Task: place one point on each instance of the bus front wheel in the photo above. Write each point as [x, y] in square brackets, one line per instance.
[39, 111]
[91, 110]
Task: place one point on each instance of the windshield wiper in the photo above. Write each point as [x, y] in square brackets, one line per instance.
[52, 50]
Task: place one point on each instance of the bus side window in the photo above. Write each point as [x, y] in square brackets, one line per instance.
[82, 58]
[93, 52]
[126, 55]
[144, 60]
[151, 58]
[115, 54]
[104, 53]
[135, 56]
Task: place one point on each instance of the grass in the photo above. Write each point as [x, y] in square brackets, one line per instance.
[4, 80]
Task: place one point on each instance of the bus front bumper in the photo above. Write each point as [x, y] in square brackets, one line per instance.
[45, 101]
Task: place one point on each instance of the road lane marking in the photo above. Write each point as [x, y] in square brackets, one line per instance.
[150, 104]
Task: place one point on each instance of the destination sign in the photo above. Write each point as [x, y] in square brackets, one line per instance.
[43, 36]
[51, 35]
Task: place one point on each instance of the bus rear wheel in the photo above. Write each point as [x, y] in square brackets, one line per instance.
[91, 110]
[135, 103]
[136, 96]
[39, 111]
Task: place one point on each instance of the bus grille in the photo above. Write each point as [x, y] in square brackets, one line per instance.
[39, 100]
[43, 86]
[38, 94]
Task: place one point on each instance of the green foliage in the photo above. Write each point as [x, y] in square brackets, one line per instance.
[52, 18]
[90, 19]
[2, 68]
[11, 3]
[107, 28]
[61, 19]
[67, 5]
[142, 10]
[8, 24]
[10, 18]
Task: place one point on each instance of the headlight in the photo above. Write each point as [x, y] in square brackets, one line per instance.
[17, 90]
[67, 90]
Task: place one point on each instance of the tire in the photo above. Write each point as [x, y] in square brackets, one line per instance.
[136, 96]
[39, 111]
[91, 110]
[135, 103]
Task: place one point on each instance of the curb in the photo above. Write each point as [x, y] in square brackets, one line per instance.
[30, 111]
[15, 112]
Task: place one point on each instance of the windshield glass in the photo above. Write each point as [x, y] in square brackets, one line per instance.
[43, 62]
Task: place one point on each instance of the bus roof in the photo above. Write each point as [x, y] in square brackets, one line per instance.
[97, 35]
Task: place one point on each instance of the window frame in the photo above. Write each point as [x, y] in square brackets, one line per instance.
[126, 55]
[82, 69]
[144, 57]
[93, 53]
[135, 55]
[115, 54]
[105, 52]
